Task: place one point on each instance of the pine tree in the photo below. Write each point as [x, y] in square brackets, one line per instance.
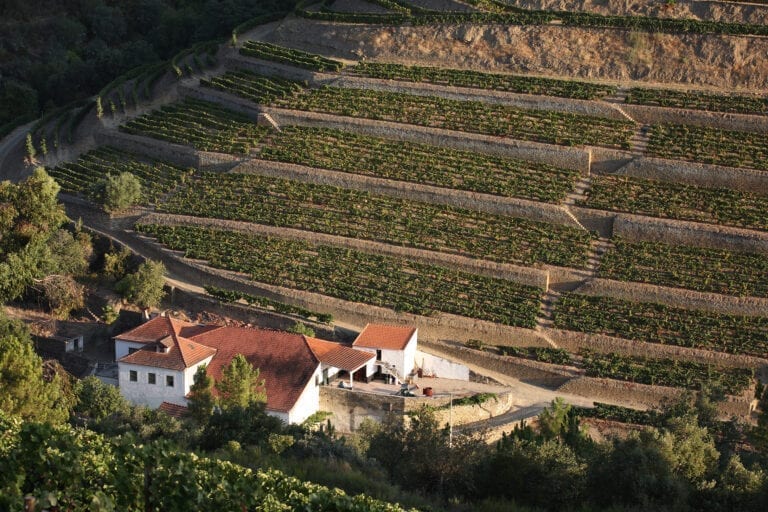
[200, 400]
[240, 384]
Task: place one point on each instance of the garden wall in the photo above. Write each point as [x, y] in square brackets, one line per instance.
[534, 210]
[441, 367]
[703, 175]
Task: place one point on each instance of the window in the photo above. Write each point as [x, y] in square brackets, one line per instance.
[169, 381]
[151, 378]
[132, 350]
[378, 355]
[133, 376]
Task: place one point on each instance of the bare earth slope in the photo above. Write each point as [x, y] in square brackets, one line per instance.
[725, 62]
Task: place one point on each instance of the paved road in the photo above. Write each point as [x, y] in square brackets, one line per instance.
[9, 147]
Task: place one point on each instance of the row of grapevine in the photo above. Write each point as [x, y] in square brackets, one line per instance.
[84, 175]
[265, 303]
[618, 413]
[389, 282]
[678, 201]
[481, 80]
[666, 372]
[249, 85]
[709, 145]
[363, 215]
[542, 354]
[657, 323]
[419, 163]
[696, 268]
[699, 100]
[468, 116]
[275, 53]
[204, 125]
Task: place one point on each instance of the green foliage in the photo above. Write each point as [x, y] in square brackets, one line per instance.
[17, 100]
[418, 163]
[200, 400]
[145, 286]
[253, 300]
[30, 146]
[543, 354]
[240, 384]
[300, 328]
[397, 283]
[657, 323]
[25, 394]
[383, 218]
[698, 100]
[680, 266]
[249, 425]
[121, 191]
[273, 52]
[109, 315]
[478, 79]
[115, 262]
[96, 400]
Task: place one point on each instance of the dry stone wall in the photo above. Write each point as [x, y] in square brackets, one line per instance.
[647, 114]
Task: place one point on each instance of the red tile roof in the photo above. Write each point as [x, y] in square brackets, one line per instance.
[177, 411]
[161, 327]
[381, 336]
[285, 361]
[338, 355]
[182, 354]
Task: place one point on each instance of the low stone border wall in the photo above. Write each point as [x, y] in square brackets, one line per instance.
[702, 175]
[574, 341]
[678, 232]
[534, 210]
[676, 297]
[464, 414]
[514, 273]
[648, 114]
[560, 156]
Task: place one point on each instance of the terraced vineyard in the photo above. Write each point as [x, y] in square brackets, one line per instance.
[698, 100]
[480, 80]
[468, 116]
[419, 163]
[84, 175]
[657, 323]
[354, 214]
[256, 88]
[710, 145]
[389, 282]
[204, 125]
[706, 270]
[678, 201]
[666, 372]
[273, 52]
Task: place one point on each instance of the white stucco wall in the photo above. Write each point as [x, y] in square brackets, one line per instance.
[409, 354]
[309, 400]
[404, 360]
[152, 395]
[122, 347]
[441, 367]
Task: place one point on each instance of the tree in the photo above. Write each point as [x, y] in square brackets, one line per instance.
[25, 393]
[200, 400]
[97, 400]
[240, 384]
[300, 328]
[145, 286]
[121, 191]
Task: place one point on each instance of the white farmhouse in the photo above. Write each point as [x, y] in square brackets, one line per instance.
[157, 362]
[394, 346]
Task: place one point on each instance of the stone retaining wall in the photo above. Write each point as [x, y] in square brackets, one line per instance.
[676, 232]
[463, 414]
[574, 341]
[647, 114]
[177, 154]
[560, 156]
[676, 297]
[702, 175]
[534, 210]
[515, 273]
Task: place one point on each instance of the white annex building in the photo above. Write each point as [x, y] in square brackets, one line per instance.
[157, 361]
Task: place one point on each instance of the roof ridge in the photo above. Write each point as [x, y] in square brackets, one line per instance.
[309, 347]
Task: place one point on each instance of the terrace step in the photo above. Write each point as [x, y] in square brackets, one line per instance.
[545, 319]
[639, 141]
[264, 119]
[596, 251]
[579, 191]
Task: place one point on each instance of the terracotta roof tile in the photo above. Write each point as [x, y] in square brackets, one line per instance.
[389, 337]
[177, 411]
[182, 354]
[285, 361]
[161, 327]
[338, 355]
